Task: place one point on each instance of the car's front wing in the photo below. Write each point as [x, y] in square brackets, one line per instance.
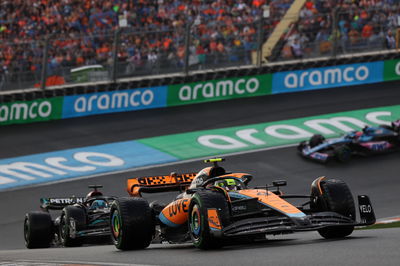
[284, 224]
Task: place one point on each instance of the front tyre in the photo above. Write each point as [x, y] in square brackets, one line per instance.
[199, 228]
[333, 195]
[132, 223]
[342, 153]
[301, 146]
[316, 140]
[38, 230]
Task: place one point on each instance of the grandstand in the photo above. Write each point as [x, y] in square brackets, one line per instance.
[53, 42]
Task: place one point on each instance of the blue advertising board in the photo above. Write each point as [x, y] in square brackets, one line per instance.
[327, 77]
[114, 101]
[79, 162]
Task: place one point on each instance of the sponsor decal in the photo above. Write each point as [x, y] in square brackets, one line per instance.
[327, 77]
[377, 146]
[270, 134]
[178, 206]
[239, 208]
[52, 166]
[365, 208]
[30, 111]
[213, 219]
[198, 181]
[66, 200]
[319, 156]
[115, 101]
[175, 213]
[214, 90]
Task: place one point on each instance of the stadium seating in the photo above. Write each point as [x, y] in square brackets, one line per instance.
[150, 35]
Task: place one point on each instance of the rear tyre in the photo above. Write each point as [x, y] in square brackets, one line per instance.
[38, 230]
[132, 223]
[316, 140]
[336, 197]
[199, 228]
[71, 214]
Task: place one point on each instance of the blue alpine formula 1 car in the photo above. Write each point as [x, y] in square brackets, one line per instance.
[369, 141]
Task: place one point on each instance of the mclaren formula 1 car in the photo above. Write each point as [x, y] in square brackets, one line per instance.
[369, 141]
[82, 219]
[216, 208]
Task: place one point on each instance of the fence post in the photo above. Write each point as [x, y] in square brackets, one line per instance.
[43, 75]
[335, 30]
[260, 35]
[187, 50]
[115, 55]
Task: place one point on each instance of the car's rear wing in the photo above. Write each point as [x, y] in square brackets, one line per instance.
[59, 203]
[155, 184]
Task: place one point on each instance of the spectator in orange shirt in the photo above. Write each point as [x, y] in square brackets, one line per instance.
[367, 31]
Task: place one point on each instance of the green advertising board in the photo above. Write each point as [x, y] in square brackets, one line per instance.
[222, 89]
[391, 70]
[31, 111]
[270, 134]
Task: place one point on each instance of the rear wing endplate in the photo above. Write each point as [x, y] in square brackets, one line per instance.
[367, 215]
[59, 203]
[155, 184]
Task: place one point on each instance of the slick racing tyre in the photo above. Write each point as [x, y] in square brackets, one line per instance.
[336, 197]
[342, 153]
[71, 215]
[198, 223]
[38, 230]
[301, 146]
[316, 140]
[132, 223]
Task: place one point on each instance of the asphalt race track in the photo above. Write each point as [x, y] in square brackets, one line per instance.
[374, 176]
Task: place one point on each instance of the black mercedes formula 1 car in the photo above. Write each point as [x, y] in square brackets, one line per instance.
[82, 219]
[369, 141]
[216, 208]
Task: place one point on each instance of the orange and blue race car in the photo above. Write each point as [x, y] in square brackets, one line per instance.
[216, 207]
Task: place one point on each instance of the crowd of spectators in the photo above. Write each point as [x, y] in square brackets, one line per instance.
[152, 33]
[355, 26]
[81, 32]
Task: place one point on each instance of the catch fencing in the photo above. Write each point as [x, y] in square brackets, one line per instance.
[127, 53]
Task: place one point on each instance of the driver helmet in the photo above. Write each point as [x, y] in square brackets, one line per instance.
[98, 204]
[228, 184]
